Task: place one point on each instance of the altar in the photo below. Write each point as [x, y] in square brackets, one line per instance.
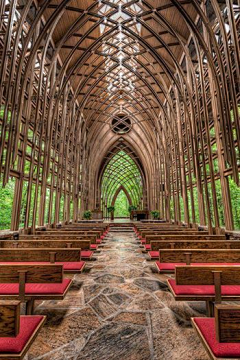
[138, 215]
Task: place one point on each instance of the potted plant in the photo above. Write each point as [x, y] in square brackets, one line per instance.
[155, 214]
[110, 210]
[132, 208]
[87, 215]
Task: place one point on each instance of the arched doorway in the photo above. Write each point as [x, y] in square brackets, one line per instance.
[121, 202]
[121, 206]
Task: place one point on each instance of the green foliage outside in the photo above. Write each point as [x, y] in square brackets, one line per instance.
[235, 199]
[121, 205]
[6, 203]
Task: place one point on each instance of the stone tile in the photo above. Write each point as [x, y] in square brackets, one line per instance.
[102, 306]
[90, 291]
[145, 302]
[118, 298]
[61, 329]
[131, 289]
[117, 341]
[136, 318]
[150, 284]
[110, 279]
[171, 341]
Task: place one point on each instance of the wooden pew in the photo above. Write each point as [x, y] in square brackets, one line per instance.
[166, 229]
[29, 282]
[70, 259]
[145, 233]
[220, 335]
[56, 237]
[211, 283]
[82, 245]
[183, 237]
[17, 333]
[169, 259]
[180, 236]
[96, 236]
[68, 233]
[99, 232]
[191, 244]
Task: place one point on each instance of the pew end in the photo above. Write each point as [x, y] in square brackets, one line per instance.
[17, 332]
[220, 336]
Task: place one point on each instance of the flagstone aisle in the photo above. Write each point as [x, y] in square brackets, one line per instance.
[118, 309]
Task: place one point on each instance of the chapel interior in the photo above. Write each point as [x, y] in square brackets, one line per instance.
[119, 179]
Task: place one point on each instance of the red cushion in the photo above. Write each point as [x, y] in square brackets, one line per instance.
[203, 289]
[86, 254]
[98, 241]
[220, 350]
[154, 254]
[167, 266]
[102, 237]
[148, 247]
[93, 246]
[15, 345]
[171, 266]
[35, 289]
[143, 241]
[72, 265]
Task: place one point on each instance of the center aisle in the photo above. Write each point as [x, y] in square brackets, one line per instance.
[118, 309]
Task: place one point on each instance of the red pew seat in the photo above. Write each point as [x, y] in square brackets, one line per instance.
[86, 254]
[93, 246]
[206, 326]
[36, 289]
[15, 345]
[207, 290]
[154, 254]
[171, 266]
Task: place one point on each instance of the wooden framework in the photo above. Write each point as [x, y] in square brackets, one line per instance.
[68, 67]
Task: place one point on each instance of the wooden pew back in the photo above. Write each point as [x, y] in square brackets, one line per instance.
[32, 274]
[195, 244]
[204, 275]
[58, 237]
[67, 233]
[77, 244]
[184, 237]
[145, 234]
[199, 256]
[40, 255]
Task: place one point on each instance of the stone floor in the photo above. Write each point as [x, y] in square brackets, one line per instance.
[119, 308]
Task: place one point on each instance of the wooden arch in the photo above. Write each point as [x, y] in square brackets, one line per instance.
[116, 195]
